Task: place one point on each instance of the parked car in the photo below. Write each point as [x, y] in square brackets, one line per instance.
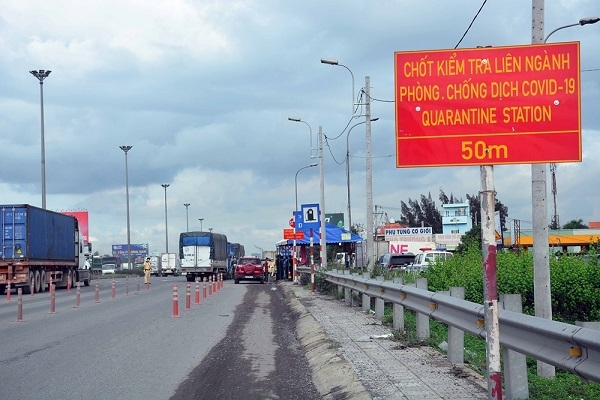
[399, 261]
[249, 268]
[427, 257]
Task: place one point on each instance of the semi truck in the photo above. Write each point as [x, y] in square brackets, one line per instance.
[39, 246]
[202, 254]
[155, 262]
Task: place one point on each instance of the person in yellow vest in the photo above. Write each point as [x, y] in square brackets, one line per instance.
[147, 270]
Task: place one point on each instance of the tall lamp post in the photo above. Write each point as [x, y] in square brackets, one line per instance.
[541, 263]
[187, 221]
[368, 164]
[166, 185]
[348, 171]
[323, 232]
[200, 219]
[125, 150]
[41, 75]
[294, 256]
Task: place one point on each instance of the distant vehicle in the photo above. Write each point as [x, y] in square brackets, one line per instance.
[115, 263]
[427, 257]
[249, 268]
[202, 254]
[109, 269]
[399, 261]
[170, 264]
[155, 262]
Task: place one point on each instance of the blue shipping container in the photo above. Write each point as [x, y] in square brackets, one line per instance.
[32, 233]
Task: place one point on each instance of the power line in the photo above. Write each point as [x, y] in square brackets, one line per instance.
[471, 24]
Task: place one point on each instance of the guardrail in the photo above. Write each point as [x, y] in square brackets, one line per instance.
[572, 348]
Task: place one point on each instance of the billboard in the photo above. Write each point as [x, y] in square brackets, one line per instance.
[485, 106]
[139, 251]
[336, 219]
[83, 221]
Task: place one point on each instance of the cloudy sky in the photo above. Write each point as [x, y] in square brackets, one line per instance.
[202, 90]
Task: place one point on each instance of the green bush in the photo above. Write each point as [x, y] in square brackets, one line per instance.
[575, 284]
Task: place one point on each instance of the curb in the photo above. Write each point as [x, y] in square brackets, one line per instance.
[332, 375]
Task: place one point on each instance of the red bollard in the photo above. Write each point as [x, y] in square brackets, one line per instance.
[113, 290]
[210, 286]
[126, 286]
[97, 291]
[69, 283]
[8, 291]
[78, 295]
[197, 299]
[19, 304]
[214, 284]
[204, 289]
[187, 297]
[52, 300]
[175, 302]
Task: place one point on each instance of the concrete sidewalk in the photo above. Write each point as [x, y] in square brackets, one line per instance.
[351, 357]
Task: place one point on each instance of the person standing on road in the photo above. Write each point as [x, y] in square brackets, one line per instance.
[147, 270]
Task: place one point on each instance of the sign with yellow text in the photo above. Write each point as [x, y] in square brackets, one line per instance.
[485, 106]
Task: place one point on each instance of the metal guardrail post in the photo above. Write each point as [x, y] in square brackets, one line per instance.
[423, 332]
[456, 337]
[515, 364]
[366, 299]
[398, 311]
[379, 303]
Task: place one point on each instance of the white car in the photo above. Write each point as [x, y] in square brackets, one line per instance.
[422, 260]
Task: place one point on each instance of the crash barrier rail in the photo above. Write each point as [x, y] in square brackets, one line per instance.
[570, 347]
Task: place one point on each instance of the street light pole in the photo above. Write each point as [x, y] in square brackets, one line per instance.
[125, 150]
[187, 223]
[331, 61]
[41, 75]
[200, 219]
[166, 185]
[348, 171]
[312, 149]
[294, 255]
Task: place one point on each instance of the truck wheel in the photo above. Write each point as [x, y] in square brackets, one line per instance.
[31, 287]
[37, 281]
[86, 282]
[42, 281]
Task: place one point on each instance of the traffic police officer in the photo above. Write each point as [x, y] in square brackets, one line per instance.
[147, 270]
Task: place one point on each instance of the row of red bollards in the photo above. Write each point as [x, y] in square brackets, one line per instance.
[214, 285]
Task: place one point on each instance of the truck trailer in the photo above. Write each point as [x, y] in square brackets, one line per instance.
[202, 254]
[39, 246]
[170, 264]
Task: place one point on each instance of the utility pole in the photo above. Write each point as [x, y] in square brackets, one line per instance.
[369, 174]
[541, 263]
[323, 240]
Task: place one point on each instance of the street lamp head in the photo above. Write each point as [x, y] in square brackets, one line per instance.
[186, 204]
[165, 185]
[125, 148]
[330, 61]
[41, 74]
[374, 119]
[295, 119]
[587, 21]
[313, 165]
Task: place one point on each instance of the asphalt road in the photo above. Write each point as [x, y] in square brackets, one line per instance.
[238, 343]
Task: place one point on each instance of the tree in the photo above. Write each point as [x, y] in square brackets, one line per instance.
[425, 213]
[575, 224]
[471, 238]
